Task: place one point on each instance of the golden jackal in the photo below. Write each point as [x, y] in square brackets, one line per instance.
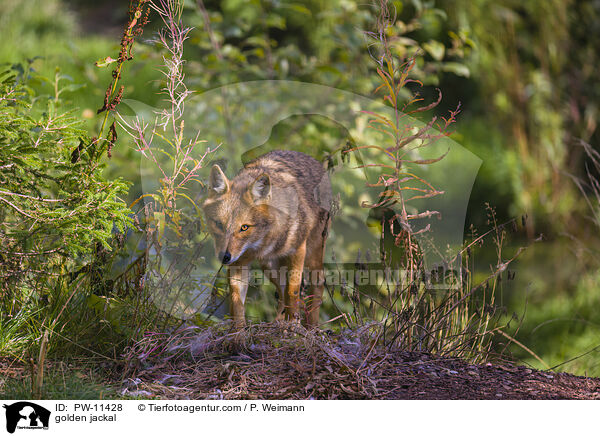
[275, 211]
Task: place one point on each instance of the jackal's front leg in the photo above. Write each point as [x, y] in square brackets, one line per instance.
[238, 286]
[292, 294]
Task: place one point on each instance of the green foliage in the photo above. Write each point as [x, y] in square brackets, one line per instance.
[315, 41]
[57, 207]
[532, 89]
[50, 202]
[63, 382]
[31, 22]
[563, 330]
[523, 70]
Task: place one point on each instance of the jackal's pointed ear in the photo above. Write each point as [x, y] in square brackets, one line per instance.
[218, 180]
[261, 187]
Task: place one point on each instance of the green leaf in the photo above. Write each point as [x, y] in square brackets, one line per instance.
[72, 88]
[456, 68]
[298, 8]
[435, 48]
[104, 62]
[275, 21]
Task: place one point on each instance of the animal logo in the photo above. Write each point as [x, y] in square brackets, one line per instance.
[26, 415]
[274, 211]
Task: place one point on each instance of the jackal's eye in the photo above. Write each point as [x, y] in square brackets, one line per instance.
[244, 227]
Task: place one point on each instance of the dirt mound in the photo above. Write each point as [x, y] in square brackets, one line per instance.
[283, 361]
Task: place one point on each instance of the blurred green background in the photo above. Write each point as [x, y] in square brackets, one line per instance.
[524, 74]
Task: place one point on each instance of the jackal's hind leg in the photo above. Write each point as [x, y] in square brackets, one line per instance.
[294, 282]
[278, 278]
[316, 274]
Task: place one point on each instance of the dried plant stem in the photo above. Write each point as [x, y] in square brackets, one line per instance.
[39, 367]
[528, 350]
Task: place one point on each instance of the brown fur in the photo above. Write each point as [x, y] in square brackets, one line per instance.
[275, 211]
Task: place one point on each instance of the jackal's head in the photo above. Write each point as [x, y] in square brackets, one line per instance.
[238, 214]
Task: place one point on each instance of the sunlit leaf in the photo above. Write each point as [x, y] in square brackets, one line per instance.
[104, 62]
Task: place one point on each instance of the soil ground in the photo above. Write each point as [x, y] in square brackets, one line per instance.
[269, 362]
